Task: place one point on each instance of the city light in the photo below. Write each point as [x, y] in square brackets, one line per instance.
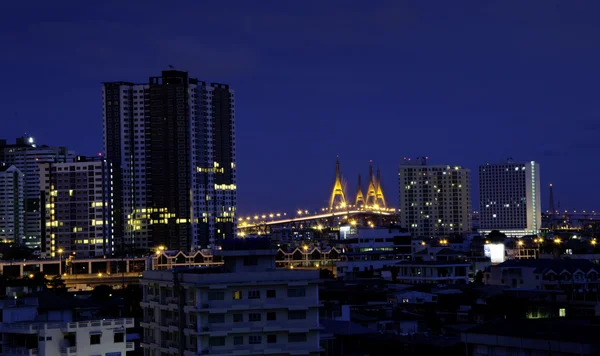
[557, 241]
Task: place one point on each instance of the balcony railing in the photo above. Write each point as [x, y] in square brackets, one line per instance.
[32, 327]
[68, 351]
[19, 351]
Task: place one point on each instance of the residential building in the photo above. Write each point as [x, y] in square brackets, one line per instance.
[578, 278]
[435, 201]
[532, 337]
[509, 198]
[246, 306]
[30, 329]
[368, 249]
[78, 207]
[26, 155]
[12, 212]
[437, 272]
[172, 145]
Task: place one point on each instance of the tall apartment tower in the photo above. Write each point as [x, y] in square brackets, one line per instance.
[509, 198]
[12, 212]
[26, 155]
[435, 201]
[77, 199]
[172, 146]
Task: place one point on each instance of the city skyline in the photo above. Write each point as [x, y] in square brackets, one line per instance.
[473, 97]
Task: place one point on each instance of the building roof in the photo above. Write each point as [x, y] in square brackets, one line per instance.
[579, 331]
[542, 265]
[431, 263]
[341, 327]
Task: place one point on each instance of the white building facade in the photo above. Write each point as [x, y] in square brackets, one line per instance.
[22, 334]
[435, 201]
[78, 207]
[12, 212]
[175, 167]
[509, 198]
[249, 307]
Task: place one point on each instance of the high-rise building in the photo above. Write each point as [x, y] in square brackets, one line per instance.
[509, 198]
[435, 201]
[12, 212]
[245, 307]
[172, 145]
[78, 218]
[26, 155]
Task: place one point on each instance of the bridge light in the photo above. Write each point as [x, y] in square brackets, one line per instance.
[299, 212]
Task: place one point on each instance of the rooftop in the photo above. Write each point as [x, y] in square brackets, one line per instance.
[543, 264]
[579, 331]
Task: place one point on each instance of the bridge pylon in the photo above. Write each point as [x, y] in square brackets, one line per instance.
[379, 198]
[371, 190]
[360, 198]
[337, 194]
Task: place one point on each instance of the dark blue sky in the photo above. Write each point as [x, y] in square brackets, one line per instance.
[461, 82]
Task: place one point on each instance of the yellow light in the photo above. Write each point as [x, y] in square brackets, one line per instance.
[594, 242]
[291, 267]
[305, 247]
[557, 240]
[157, 252]
[520, 243]
[60, 250]
[317, 265]
[30, 275]
[423, 243]
[161, 248]
[99, 274]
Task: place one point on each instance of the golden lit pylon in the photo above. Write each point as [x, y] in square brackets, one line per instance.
[379, 198]
[360, 198]
[371, 192]
[337, 195]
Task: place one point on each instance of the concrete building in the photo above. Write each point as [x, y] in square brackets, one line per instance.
[245, 307]
[172, 145]
[369, 249]
[533, 337]
[78, 208]
[27, 330]
[26, 155]
[435, 201]
[12, 212]
[509, 198]
[436, 272]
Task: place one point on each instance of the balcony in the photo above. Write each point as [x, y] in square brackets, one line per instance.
[68, 351]
[19, 351]
[34, 327]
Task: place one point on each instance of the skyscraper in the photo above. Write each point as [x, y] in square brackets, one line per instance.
[26, 156]
[172, 146]
[12, 212]
[77, 199]
[509, 198]
[435, 201]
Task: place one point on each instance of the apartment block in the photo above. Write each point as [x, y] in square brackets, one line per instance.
[12, 212]
[78, 207]
[509, 198]
[435, 201]
[246, 306]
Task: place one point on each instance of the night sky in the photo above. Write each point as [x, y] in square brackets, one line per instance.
[464, 83]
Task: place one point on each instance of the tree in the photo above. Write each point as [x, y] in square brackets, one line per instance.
[325, 274]
[478, 280]
[102, 291]
[496, 236]
[57, 284]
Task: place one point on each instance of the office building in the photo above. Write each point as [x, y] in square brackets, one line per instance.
[48, 325]
[172, 146]
[77, 199]
[245, 307]
[25, 154]
[12, 212]
[435, 201]
[509, 198]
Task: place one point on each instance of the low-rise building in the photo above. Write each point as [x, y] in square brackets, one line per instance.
[26, 329]
[242, 307]
[438, 272]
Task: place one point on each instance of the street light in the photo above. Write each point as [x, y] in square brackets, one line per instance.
[60, 251]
